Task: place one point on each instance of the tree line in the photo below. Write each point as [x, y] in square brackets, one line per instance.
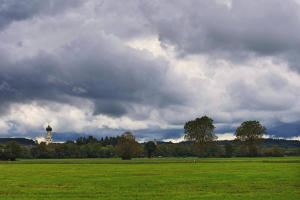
[200, 141]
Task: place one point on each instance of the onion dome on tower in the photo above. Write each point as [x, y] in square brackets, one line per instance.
[49, 128]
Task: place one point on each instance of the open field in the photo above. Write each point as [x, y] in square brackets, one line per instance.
[164, 178]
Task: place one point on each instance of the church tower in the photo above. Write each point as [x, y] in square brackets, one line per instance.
[49, 135]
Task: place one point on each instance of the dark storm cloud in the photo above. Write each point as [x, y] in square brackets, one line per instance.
[17, 10]
[281, 129]
[247, 28]
[97, 68]
[142, 134]
[159, 134]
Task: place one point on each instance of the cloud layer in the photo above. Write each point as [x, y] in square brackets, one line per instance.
[100, 68]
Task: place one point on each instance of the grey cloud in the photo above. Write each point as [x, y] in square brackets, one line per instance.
[247, 29]
[123, 19]
[269, 92]
[110, 107]
[109, 74]
[16, 10]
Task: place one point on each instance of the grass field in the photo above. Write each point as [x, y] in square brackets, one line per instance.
[164, 178]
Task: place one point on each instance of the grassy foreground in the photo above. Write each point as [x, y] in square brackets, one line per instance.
[165, 178]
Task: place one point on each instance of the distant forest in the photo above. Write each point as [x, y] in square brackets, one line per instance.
[268, 142]
[107, 147]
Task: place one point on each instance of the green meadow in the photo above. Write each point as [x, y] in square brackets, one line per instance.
[159, 178]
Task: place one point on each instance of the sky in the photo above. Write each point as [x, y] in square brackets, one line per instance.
[91, 67]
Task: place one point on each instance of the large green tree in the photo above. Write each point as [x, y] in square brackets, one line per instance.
[150, 148]
[127, 147]
[250, 133]
[201, 132]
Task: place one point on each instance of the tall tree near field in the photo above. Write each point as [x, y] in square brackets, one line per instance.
[150, 148]
[127, 146]
[201, 132]
[250, 134]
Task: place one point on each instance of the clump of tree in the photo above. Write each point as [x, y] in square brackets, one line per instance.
[276, 151]
[103, 141]
[127, 147]
[11, 151]
[150, 148]
[228, 150]
[201, 132]
[250, 134]
[84, 140]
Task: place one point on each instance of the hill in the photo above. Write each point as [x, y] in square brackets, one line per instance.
[22, 141]
[268, 142]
